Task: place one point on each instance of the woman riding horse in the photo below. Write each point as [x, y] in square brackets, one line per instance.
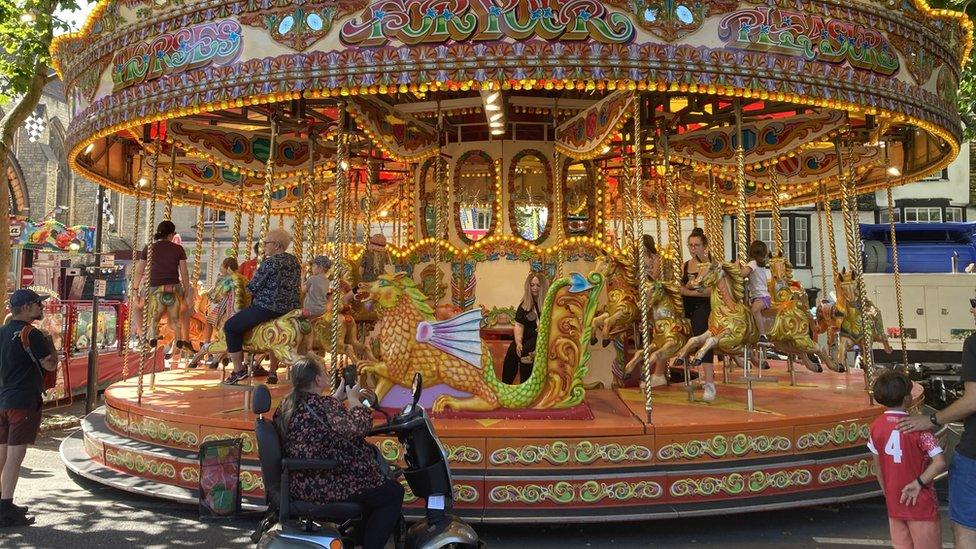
[274, 290]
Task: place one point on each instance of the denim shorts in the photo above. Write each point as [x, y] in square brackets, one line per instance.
[962, 491]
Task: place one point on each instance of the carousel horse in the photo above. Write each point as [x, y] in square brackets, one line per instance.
[221, 302]
[791, 324]
[198, 323]
[670, 330]
[731, 325]
[621, 311]
[451, 352]
[280, 337]
[842, 320]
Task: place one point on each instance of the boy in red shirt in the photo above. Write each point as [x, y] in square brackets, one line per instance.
[906, 463]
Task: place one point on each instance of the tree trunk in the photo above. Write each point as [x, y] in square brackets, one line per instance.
[9, 125]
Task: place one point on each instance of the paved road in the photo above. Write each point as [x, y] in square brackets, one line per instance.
[74, 513]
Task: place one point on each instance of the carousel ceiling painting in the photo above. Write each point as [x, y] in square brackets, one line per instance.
[225, 96]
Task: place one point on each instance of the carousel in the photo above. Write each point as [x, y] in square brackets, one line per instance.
[489, 140]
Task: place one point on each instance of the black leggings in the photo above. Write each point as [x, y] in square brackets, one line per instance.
[245, 319]
[383, 505]
[513, 365]
[698, 315]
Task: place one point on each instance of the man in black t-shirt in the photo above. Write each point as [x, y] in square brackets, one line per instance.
[962, 472]
[21, 388]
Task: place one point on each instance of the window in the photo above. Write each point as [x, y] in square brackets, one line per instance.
[883, 216]
[923, 214]
[796, 237]
[216, 217]
[954, 214]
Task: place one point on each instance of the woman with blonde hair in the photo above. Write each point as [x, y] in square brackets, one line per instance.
[274, 292]
[521, 353]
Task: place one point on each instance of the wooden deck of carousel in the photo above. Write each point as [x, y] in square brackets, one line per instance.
[802, 445]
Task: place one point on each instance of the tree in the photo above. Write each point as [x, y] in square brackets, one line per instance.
[966, 95]
[27, 28]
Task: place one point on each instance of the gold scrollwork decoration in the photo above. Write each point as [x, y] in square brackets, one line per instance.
[720, 446]
[840, 434]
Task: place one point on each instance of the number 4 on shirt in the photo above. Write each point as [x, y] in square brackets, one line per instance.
[893, 446]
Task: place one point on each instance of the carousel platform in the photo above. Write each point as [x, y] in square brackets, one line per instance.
[803, 445]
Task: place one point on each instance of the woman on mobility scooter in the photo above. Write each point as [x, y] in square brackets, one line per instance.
[314, 426]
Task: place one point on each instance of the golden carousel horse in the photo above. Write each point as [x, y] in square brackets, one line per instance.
[791, 325]
[842, 320]
[221, 302]
[280, 337]
[621, 311]
[731, 324]
[670, 329]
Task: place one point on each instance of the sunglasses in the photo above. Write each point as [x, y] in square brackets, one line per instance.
[972, 302]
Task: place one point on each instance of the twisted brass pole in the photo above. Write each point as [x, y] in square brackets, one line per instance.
[131, 290]
[740, 186]
[643, 261]
[338, 268]
[268, 182]
[820, 240]
[151, 206]
[238, 216]
[170, 184]
[674, 215]
[777, 220]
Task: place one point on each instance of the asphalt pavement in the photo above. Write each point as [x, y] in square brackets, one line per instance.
[74, 513]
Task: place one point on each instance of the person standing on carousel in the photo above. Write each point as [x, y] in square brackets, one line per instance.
[248, 267]
[375, 259]
[698, 306]
[521, 353]
[274, 292]
[168, 274]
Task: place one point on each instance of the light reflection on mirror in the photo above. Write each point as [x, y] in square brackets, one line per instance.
[475, 195]
[578, 194]
[530, 196]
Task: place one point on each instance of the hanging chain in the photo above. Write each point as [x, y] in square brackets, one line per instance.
[643, 261]
[777, 220]
[170, 184]
[897, 272]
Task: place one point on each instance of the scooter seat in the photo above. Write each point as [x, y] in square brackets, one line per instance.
[337, 511]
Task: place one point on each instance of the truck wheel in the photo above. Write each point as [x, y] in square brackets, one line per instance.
[875, 257]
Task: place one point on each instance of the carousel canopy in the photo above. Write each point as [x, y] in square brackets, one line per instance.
[823, 86]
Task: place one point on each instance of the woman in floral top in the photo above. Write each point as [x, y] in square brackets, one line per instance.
[314, 426]
[274, 292]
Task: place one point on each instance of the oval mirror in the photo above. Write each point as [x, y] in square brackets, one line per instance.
[530, 191]
[428, 197]
[579, 193]
[474, 195]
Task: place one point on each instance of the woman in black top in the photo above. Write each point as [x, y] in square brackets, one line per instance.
[521, 353]
[697, 303]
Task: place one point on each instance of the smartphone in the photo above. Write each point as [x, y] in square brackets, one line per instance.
[350, 375]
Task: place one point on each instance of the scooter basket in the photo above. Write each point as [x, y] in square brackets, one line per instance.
[427, 481]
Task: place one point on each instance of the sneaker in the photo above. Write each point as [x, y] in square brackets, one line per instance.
[258, 371]
[272, 378]
[709, 394]
[14, 509]
[8, 520]
[658, 380]
[236, 377]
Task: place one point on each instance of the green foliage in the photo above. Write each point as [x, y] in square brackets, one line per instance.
[24, 43]
[966, 97]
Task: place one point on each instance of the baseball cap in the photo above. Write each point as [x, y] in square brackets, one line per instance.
[25, 297]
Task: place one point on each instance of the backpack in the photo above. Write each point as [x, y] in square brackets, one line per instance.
[49, 379]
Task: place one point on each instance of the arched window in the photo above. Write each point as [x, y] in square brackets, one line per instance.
[19, 198]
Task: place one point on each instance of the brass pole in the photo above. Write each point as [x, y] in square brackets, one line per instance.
[170, 184]
[740, 185]
[897, 273]
[643, 261]
[338, 270]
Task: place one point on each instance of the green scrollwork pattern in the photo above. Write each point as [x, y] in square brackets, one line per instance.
[556, 453]
[161, 431]
[838, 435]
[247, 440]
[390, 449]
[843, 473]
[140, 464]
[560, 453]
[720, 446]
[190, 474]
[463, 454]
[779, 480]
[594, 492]
[559, 492]
[465, 493]
[732, 484]
[117, 419]
[251, 481]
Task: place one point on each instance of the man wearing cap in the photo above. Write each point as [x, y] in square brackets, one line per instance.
[21, 387]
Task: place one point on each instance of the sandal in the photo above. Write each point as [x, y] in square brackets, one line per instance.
[272, 378]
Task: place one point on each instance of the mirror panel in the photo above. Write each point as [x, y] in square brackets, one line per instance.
[579, 193]
[530, 195]
[474, 196]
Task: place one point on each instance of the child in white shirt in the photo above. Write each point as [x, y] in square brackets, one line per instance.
[758, 283]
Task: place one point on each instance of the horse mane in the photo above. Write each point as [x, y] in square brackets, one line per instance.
[736, 282]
